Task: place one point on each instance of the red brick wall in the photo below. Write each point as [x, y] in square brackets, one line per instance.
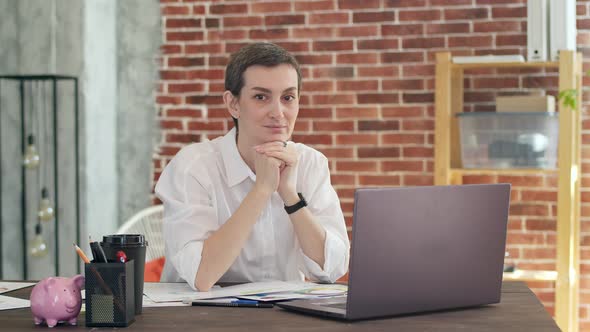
[367, 97]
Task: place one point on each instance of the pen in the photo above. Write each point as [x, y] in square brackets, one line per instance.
[237, 303]
[101, 253]
[98, 253]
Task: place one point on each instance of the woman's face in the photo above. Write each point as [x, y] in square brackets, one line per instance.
[268, 104]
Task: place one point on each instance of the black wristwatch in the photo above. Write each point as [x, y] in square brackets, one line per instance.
[295, 207]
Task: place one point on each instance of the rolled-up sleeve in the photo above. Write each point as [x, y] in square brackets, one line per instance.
[324, 205]
[189, 217]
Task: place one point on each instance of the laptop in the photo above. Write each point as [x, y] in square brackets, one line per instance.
[421, 249]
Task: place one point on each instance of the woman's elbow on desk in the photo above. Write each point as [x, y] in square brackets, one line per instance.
[205, 277]
[202, 284]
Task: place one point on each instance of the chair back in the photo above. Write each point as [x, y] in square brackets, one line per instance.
[149, 223]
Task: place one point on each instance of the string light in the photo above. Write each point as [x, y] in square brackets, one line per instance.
[38, 247]
[31, 158]
[46, 211]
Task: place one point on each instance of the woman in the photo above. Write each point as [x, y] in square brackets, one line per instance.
[251, 205]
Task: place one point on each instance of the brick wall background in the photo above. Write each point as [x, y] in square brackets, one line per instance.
[368, 92]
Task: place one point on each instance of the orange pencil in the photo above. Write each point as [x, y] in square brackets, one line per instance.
[81, 254]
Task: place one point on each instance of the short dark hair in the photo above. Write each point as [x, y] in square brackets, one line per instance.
[263, 54]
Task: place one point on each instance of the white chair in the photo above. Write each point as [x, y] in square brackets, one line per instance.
[149, 223]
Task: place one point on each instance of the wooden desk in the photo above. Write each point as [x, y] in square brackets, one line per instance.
[519, 311]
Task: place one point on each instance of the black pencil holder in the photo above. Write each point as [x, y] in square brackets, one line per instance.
[110, 299]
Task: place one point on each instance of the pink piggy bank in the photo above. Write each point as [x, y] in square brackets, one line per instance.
[57, 299]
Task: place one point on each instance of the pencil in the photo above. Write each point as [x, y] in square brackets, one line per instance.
[81, 254]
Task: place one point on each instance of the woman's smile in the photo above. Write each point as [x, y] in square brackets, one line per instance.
[276, 128]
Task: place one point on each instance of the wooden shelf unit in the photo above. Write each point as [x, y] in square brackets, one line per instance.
[448, 169]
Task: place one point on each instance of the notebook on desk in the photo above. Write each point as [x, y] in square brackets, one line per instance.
[421, 249]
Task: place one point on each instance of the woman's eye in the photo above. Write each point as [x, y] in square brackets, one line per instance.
[289, 98]
[260, 97]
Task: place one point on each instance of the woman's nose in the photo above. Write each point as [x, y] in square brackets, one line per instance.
[276, 110]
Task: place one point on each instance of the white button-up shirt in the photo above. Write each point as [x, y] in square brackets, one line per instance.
[203, 186]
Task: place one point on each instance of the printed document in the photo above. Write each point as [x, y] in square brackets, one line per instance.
[173, 292]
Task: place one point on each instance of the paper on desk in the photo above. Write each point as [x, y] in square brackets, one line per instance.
[7, 286]
[8, 302]
[172, 292]
[148, 303]
[306, 291]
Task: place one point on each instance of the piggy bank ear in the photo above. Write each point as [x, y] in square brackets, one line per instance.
[49, 282]
[79, 281]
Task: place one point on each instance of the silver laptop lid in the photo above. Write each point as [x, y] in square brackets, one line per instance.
[418, 249]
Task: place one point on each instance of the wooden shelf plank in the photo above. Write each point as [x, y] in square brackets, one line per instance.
[534, 171]
[528, 275]
[506, 65]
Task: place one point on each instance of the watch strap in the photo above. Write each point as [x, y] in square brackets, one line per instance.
[295, 207]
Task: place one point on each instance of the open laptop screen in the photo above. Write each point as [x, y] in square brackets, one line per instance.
[418, 249]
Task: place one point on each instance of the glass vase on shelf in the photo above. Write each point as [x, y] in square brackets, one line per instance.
[508, 267]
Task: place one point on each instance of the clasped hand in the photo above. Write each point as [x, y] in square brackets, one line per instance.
[276, 168]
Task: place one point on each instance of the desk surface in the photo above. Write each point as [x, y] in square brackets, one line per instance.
[519, 311]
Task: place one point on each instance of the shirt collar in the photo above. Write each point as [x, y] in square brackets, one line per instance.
[236, 169]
